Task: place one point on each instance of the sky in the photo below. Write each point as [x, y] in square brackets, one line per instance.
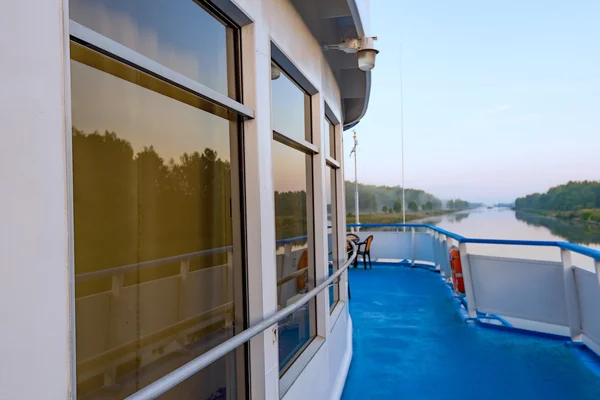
[501, 98]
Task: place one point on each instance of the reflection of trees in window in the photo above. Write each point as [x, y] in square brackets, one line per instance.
[136, 207]
[290, 214]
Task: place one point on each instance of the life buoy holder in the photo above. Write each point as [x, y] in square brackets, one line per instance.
[457, 273]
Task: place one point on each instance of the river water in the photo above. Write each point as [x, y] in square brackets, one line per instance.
[504, 223]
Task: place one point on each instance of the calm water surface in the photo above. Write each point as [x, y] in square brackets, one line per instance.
[504, 223]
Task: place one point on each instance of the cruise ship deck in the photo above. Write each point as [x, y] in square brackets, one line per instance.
[410, 342]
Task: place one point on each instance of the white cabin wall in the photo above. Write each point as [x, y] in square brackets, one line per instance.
[35, 349]
[286, 28]
[35, 244]
[278, 21]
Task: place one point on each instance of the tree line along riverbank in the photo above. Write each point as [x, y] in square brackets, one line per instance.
[577, 201]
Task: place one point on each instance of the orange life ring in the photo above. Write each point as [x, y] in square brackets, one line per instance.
[457, 273]
[301, 280]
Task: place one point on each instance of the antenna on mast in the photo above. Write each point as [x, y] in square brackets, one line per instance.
[356, 209]
[402, 139]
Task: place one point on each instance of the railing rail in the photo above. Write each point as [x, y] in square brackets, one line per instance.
[586, 251]
[108, 272]
[184, 372]
[539, 290]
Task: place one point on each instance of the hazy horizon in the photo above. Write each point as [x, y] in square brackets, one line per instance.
[500, 99]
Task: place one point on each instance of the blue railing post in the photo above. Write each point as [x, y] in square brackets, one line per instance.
[571, 296]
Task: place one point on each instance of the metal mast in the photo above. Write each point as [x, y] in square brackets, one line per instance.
[402, 140]
[356, 210]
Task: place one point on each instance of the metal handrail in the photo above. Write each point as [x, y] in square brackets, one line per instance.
[184, 372]
[146, 264]
[586, 251]
[291, 276]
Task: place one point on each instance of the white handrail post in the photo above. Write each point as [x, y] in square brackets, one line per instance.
[597, 267]
[443, 256]
[184, 268]
[447, 256]
[468, 278]
[117, 284]
[436, 251]
[413, 240]
[227, 277]
[571, 296]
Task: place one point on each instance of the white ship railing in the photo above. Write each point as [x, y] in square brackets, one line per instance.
[101, 353]
[552, 297]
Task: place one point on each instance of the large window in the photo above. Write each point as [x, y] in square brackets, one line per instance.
[332, 208]
[179, 35]
[293, 182]
[156, 199]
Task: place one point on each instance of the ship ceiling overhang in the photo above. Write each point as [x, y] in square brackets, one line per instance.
[331, 21]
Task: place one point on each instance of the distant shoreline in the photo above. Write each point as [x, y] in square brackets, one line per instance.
[396, 218]
[585, 216]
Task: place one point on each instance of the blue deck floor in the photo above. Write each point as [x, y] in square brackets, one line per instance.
[410, 343]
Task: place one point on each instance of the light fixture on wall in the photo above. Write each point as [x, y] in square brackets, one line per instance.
[364, 47]
[275, 71]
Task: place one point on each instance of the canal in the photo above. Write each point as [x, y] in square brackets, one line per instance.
[504, 223]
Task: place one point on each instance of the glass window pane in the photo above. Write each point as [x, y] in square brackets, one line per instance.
[330, 190]
[154, 254]
[293, 226]
[290, 107]
[179, 34]
[219, 387]
[330, 139]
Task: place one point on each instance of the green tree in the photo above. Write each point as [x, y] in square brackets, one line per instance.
[450, 205]
[572, 196]
[413, 206]
[398, 206]
[386, 195]
[428, 206]
[390, 210]
[384, 209]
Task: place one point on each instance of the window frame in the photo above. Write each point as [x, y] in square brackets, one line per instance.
[334, 167]
[237, 113]
[115, 50]
[295, 366]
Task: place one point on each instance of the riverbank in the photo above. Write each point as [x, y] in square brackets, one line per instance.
[395, 218]
[585, 216]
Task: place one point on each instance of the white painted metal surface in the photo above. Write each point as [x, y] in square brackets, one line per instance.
[424, 247]
[588, 292]
[35, 339]
[389, 244]
[526, 289]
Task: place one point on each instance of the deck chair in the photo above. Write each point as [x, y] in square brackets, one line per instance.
[366, 252]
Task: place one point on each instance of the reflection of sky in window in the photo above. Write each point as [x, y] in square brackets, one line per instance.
[289, 168]
[328, 191]
[287, 107]
[326, 131]
[103, 102]
[177, 34]
[330, 140]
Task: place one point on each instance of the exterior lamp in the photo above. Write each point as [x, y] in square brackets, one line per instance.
[275, 71]
[364, 47]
